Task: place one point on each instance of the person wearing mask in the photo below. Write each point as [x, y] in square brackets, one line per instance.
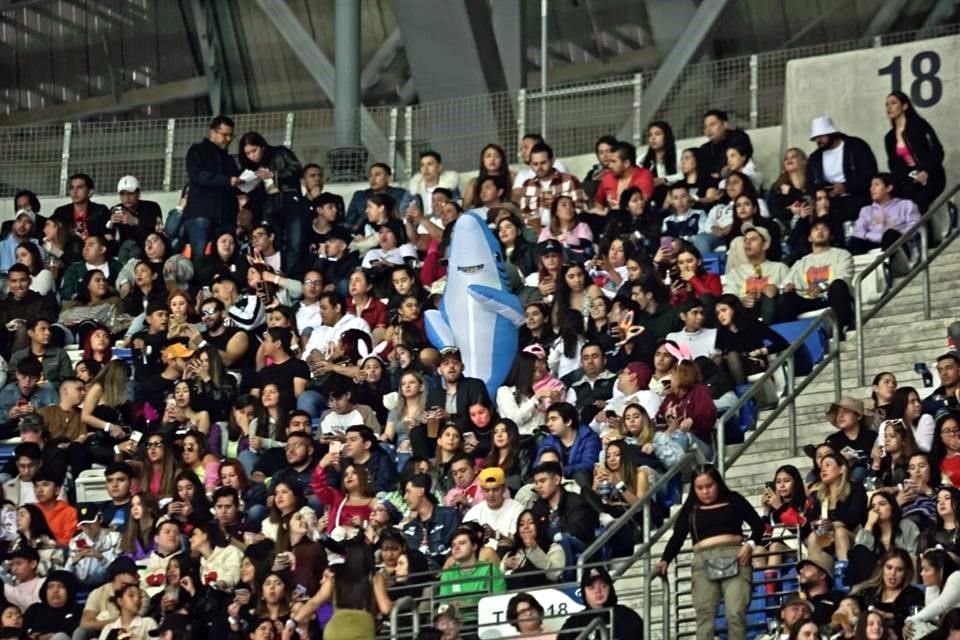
[715, 517]
[842, 163]
[599, 596]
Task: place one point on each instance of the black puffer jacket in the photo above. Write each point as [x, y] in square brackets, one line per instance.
[41, 618]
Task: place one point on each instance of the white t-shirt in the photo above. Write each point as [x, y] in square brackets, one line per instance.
[526, 173]
[701, 343]
[334, 422]
[833, 164]
[503, 520]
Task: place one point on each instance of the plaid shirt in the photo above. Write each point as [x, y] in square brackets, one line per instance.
[562, 184]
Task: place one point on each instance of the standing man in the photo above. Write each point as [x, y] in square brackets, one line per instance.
[213, 176]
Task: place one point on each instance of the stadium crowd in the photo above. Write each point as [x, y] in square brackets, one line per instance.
[286, 454]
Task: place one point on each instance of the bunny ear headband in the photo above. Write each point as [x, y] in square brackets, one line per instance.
[679, 351]
[365, 353]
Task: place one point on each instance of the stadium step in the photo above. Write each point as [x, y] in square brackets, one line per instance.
[895, 339]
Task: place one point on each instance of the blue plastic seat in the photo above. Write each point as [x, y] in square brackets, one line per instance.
[715, 262]
[814, 347]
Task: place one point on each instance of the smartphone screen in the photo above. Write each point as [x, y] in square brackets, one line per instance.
[335, 446]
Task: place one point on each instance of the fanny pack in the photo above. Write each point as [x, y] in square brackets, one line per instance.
[719, 569]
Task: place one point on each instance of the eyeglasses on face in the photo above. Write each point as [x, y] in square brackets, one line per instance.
[155, 444]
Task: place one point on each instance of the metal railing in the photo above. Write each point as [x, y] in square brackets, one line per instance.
[595, 625]
[399, 606]
[921, 266]
[750, 88]
[792, 390]
[664, 604]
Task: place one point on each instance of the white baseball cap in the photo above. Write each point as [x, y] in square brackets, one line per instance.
[129, 184]
[26, 212]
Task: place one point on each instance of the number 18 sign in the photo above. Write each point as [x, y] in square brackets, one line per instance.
[851, 88]
[492, 612]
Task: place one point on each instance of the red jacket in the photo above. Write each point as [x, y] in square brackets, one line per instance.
[696, 405]
[641, 178]
[375, 313]
[707, 282]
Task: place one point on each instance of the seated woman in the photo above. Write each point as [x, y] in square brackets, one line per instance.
[198, 459]
[739, 160]
[528, 390]
[744, 344]
[694, 280]
[517, 249]
[533, 557]
[95, 300]
[182, 412]
[219, 560]
[145, 288]
[787, 197]
[946, 530]
[41, 278]
[168, 266]
[689, 407]
[566, 228]
[941, 593]
[350, 507]
[945, 450]
[508, 453]
[835, 509]
[905, 405]
[917, 497]
[884, 530]
[890, 589]
[889, 462]
[783, 502]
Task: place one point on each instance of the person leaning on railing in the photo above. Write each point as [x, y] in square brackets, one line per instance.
[714, 516]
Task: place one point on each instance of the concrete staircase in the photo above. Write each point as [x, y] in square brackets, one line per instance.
[896, 338]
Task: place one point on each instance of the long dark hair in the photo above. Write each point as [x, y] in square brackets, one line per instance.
[36, 262]
[502, 179]
[571, 330]
[513, 442]
[83, 291]
[910, 113]
[543, 540]
[253, 139]
[723, 491]
[938, 452]
[740, 317]
[896, 515]
[799, 494]
[669, 149]
[898, 403]
[38, 525]
[941, 562]
[352, 588]
[521, 374]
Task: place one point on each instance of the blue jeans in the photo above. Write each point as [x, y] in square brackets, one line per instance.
[248, 459]
[706, 242]
[172, 229]
[198, 233]
[312, 402]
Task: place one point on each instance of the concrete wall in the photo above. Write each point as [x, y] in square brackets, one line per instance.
[851, 87]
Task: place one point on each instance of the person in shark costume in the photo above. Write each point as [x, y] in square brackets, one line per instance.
[478, 313]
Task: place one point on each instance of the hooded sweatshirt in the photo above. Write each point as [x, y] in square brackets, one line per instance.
[41, 618]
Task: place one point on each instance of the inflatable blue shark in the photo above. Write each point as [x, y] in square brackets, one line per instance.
[478, 314]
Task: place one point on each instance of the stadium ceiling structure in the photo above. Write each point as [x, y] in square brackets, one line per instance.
[120, 59]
